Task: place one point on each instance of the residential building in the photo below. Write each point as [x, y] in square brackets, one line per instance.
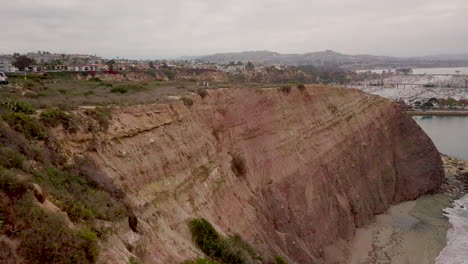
[6, 64]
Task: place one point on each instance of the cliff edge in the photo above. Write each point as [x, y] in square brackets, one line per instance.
[294, 172]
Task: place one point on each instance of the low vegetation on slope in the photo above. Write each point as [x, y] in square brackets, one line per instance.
[222, 250]
[232, 249]
[53, 208]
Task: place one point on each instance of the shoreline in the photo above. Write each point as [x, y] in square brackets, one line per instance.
[439, 113]
[412, 231]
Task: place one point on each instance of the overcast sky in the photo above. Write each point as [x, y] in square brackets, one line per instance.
[171, 28]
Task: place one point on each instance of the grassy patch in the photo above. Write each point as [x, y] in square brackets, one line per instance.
[46, 238]
[10, 158]
[25, 124]
[16, 106]
[11, 185]
[119, 89]
[94, 79]
[77, 197]
[124, 88]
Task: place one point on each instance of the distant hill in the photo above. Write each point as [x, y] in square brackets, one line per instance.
[331, 58]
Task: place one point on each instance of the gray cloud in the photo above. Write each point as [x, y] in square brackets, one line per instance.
[155, 28]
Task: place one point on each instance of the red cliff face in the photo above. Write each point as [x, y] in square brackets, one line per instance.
[316, 165]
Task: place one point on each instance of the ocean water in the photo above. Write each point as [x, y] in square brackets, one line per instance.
[456, 251]
[446, 70]
[450, 135]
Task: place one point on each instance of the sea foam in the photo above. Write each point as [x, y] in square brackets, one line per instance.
[456, 251]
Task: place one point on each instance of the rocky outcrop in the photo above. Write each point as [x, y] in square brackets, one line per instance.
[316, 165]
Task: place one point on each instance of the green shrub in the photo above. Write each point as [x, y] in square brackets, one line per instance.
[62, 91]
[11, 185]
[126, 88]
[202, 92]
[25, 124]
[215, 246]
[280, 260]
[236, 241]
[187, 101]
[17, 107]
[88, 93]
[95, 79]
[206, 237]
[133, 260]
[10, 158]
[119, 89]
[54, 117]
[201, 261]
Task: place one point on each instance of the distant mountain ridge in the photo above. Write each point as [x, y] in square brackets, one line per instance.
[331, 58]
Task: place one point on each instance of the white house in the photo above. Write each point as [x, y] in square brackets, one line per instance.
[6, 64]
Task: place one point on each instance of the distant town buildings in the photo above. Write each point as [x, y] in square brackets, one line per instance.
[6, 64]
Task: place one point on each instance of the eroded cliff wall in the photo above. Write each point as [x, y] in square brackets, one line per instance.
[318, 164]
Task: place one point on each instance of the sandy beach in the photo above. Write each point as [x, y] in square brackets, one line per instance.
[412, 232]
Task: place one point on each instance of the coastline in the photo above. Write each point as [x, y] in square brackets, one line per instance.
[438, 113]
[413, 231]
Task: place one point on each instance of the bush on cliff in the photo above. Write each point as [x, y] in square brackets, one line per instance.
[226, 250]
[202, 92]
[286, 89]
[54, 117]
[187, 101]
[301, 87]
[280, 260]
[201, 261]
[78, 197]
[103, 115]
[46, 238]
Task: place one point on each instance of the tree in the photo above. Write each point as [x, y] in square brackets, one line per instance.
[427, 105]
[250, 66]
[111, 64]
[452, 102]
[22, 62]
[151, 65]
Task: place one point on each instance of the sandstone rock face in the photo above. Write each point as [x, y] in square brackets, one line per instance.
[318, 164]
